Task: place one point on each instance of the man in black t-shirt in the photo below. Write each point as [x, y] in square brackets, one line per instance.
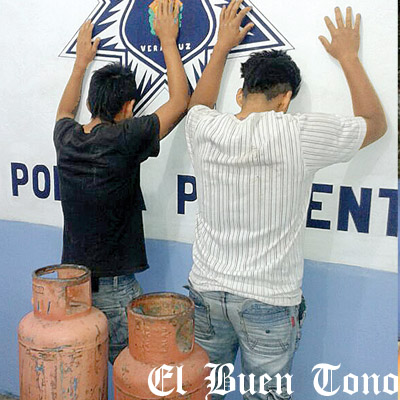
[99, 169]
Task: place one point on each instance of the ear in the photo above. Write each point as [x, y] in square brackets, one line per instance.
[285, 101]
[127, 108]
[131, 104]
[239, 97]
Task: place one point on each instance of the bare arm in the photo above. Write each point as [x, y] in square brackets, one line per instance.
[166, 27]
[344, 47]
[85, 52]
[229, 36]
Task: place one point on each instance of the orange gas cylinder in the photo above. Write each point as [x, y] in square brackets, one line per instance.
[63, 343]
[162, 359]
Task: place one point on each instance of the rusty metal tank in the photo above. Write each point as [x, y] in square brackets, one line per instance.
[162, 359]
[63, 343]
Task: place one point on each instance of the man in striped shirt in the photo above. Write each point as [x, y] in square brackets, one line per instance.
[254, 173]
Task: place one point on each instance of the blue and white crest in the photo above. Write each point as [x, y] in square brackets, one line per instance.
[125, 32]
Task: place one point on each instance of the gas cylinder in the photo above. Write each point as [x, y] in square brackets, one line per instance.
[63, 343]
[162, 359]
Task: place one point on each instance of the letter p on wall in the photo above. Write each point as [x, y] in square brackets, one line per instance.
[185, 193]
[19, 176]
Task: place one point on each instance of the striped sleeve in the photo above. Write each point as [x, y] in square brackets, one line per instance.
[195, 115]
[329, 139]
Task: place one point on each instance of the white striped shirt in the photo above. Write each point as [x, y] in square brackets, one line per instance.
[253, 184]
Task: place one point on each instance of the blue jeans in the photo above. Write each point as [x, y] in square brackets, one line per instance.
[112, 297]
[266, 335]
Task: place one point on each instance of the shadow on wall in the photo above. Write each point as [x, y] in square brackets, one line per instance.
[350, 322]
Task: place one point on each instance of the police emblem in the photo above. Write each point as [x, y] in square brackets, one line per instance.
[127, 35]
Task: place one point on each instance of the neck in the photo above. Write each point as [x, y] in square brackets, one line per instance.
[93, 122]
[257, 102]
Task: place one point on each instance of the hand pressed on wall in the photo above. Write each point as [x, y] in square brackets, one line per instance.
[85, 48]
[230, 33]
[345, 37]
[166, 23]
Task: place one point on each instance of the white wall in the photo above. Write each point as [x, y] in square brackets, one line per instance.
[33, 77]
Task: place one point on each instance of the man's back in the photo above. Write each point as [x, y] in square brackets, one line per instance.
[100, 192]
[254, 178]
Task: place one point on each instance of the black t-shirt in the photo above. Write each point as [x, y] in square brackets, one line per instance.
[101, 198]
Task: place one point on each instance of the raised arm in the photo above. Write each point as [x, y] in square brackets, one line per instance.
[166, 27]
[85, 53]
[344, 47]
[229, 36]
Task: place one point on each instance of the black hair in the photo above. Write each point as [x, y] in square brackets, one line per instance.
[110, 88]
[272, 73]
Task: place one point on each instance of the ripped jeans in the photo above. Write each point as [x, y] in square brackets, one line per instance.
[267, 337]
[112, 297]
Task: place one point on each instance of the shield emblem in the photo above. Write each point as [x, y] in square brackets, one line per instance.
[197, 29]
[126, 36]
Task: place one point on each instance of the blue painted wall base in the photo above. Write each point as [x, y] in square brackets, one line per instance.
[351, 317]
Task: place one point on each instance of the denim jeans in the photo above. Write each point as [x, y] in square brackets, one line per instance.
[112, 297]
[266, 335]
